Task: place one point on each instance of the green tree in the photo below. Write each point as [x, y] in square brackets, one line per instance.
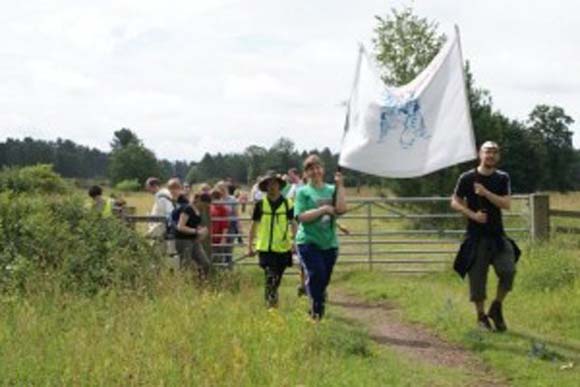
[281, 156]
[130, 159]
[405, 44]
[552, 124]
[166, 169]
[193, 175]
[68, 158]
[576, 170]
[123, 138]
[255, 156]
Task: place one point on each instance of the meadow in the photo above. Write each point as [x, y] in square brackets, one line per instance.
[543, 344]
[173, 330]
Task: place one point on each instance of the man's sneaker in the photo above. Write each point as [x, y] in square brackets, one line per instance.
[496, 315]
[483, 323]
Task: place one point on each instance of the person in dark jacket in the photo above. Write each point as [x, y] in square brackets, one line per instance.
[189, 231]
[480, 195]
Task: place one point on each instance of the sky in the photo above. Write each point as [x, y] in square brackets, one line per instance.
[191, 77]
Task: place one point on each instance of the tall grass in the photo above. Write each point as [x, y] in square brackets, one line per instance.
[170, 330]
[184, 334]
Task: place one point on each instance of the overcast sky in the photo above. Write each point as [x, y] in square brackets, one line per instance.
[199, 76]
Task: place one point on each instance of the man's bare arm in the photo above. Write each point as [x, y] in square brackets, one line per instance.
[501, 201]
[459, 205]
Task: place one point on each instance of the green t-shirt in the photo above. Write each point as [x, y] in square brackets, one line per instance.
[322, 231]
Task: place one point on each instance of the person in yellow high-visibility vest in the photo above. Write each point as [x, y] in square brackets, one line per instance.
[273, 227]
[100, 204]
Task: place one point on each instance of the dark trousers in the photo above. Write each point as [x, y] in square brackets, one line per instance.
[319, 265]
[491, 252]
[274, 265]
[191, 253]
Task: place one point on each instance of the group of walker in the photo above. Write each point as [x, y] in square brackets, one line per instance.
[303, 221]
[480, 195]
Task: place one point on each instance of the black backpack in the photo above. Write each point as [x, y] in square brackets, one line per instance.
[173, 218]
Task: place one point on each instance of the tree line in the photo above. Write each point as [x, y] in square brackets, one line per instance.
[68, 158]
[127, 160]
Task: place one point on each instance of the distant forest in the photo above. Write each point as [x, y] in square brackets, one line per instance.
[545, 165]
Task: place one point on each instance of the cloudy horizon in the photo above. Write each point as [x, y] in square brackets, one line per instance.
[218, 76]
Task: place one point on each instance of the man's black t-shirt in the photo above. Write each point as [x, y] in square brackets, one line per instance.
[498, 183]
[257, 214]
[193, 220]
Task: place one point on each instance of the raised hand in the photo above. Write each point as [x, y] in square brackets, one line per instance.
[480, 217]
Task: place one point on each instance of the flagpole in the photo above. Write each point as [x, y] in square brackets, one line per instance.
[477, 178]
[361, 51]
[457, 34]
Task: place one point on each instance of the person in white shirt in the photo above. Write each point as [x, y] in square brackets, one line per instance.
[163, 206]
[294, 183]
[255, 193]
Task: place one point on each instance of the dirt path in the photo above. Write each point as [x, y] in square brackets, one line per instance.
[385, 326]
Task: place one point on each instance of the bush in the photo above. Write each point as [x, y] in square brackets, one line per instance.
[39, 178]
[58, 236]
[128, 186]
[548, 267]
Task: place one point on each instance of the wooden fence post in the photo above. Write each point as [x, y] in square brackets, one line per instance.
[129, 210]
[540, 216]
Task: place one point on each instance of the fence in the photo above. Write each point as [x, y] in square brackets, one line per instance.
[545, 220]
[405, 235]
[570, 218]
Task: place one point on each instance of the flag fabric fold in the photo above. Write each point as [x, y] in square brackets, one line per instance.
[412, 130]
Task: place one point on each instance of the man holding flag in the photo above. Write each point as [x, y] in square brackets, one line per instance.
[480, 195]
[424, 126]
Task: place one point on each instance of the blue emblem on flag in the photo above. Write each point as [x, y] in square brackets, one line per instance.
[402, 117]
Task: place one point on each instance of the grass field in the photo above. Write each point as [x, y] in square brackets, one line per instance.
[542, 347]
[180, 333]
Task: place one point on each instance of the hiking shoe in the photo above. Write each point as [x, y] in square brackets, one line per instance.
[496, 316]
[483, 323]
[272, 300]
[301, 290]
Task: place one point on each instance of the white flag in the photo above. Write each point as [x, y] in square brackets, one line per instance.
[411, 130]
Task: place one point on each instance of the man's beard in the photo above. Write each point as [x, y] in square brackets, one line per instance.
[489, 164]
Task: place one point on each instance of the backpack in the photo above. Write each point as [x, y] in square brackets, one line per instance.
[173, 219]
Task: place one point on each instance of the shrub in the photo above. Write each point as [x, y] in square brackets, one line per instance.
[128, 186]
[548, 267]
[58, 236]
[39, 178]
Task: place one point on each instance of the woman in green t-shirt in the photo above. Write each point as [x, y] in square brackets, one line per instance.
[316, 207]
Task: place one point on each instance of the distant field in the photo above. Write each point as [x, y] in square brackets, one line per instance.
[568, 201]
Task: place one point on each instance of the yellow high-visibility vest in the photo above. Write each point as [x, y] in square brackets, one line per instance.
[106, 210]
[274, 234]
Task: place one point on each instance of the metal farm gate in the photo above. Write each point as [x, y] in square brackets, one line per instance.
[400, 235]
